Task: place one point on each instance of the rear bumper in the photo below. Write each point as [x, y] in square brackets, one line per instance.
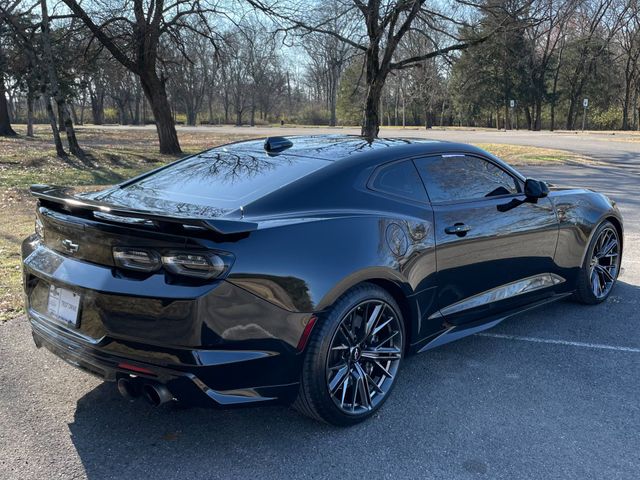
[214, 346]
[190, 384]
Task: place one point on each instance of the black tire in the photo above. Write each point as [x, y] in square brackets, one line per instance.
[314, 398]
[586, 291]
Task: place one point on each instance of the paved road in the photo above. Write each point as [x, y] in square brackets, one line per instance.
[618, 147]
[550, 394]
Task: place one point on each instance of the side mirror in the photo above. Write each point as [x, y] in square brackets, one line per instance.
[535, 188]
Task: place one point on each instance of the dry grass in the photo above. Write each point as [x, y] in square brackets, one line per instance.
[518, 155]
[112, 156]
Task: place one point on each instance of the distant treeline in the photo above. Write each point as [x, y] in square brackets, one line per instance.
[496, 63]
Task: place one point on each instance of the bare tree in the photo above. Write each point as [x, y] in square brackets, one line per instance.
[629, 45]
[544, 38]
[596, 24]
[330, 55]
[190, 74]
[6, 129]
[53, 86]
[383, 27]
[23, 29]
[135, 32]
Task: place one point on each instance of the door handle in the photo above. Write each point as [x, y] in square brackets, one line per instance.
[459, 229]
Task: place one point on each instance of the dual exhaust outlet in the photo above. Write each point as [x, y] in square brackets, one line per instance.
[155, 394]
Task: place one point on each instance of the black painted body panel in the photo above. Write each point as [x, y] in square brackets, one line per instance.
[297, 248]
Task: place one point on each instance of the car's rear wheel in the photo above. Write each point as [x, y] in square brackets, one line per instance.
[353, 356]
[601, 265]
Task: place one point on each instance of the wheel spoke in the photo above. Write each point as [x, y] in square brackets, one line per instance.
[387, 339]
[373, 319]
[601, 282]
[381, 354]
[338, 379]
[373, 383]
[607, 248]
[363, 387]
[337, 367]
[384, 370]
[345, 385]
[595, 282]
[346, 334]
[380, 327]
[354, 394]
[340, 347]
[605, 272]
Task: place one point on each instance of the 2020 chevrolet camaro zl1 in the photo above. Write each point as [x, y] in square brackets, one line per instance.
[303, 270]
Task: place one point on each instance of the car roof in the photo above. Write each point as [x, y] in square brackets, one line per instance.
[338, 146]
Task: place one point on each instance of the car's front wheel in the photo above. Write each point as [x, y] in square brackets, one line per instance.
[353, 357]
[601, 265]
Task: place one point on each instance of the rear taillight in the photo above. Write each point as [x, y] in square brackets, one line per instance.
[207, 265]
[139, 259]
[202, 265]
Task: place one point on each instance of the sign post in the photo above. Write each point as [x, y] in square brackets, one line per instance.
[585, 105]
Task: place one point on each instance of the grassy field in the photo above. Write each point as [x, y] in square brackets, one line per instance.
[112, 156]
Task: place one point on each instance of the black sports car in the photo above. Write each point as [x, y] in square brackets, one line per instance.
[303, 270]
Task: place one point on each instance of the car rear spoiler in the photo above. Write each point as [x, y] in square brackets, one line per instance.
[69, 202]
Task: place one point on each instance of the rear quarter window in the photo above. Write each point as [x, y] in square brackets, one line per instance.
[400, 179]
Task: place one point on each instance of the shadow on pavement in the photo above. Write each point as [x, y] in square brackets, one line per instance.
[481, 405]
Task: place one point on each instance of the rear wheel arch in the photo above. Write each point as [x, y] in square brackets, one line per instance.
[406, 310]
[398, 290]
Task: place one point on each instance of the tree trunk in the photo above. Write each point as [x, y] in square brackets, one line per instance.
[61, 124]
[571, 112]
[333, 96]
[97, 106]
[634, 106]
[74, 114]
[74, 147]
[527, 114]
[191, 117]
[54, 127]
[29, 111]
[371, 120]
[210, 108]
[155, 91]
[136, 113]
[625, 105]
[537, 115]
[5, 121]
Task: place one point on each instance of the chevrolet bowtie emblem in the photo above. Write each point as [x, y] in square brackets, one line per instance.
[69, 246]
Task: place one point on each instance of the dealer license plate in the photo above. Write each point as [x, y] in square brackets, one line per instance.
[64, 305]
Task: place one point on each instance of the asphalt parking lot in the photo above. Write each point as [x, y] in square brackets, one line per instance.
[554, 393]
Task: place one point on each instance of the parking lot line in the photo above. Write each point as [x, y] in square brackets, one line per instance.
[560, 342]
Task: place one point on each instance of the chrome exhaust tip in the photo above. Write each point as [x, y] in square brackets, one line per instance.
[156, 394]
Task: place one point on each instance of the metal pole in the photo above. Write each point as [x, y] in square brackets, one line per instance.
[584, 117]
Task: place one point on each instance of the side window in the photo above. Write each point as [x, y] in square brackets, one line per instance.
[464, 177]
[400, 179]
